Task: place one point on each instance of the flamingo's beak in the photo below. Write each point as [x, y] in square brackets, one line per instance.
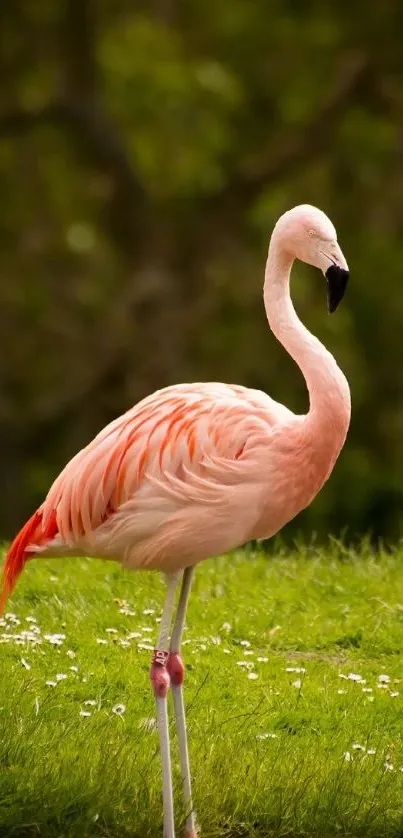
[337, 279]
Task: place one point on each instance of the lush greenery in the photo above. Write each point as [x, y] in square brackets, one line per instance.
[145, 152]
[294, 694]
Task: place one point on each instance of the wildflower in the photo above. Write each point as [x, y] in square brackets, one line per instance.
[111, 630]
[266, 736]
[248, 652]
[70, 654]
[394, 694]
[101, 641]
[226, 626]
[227, 651]
[55, 639]
[297, 684]
[61, 676]
[119, 709]
[347, 756]
[90, 702]
[244, 643]
[85, 714]
[371, 752]
[384, 679]
[353, 676]
[357, 747]
[148, 611]
[367, 689]
[253, 676]
[263, 660]
[51, 683]
[295, 669]
[25, 664]
[341, 692]
[74, 668]
[388, 766]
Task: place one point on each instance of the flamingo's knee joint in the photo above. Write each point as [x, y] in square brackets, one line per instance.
[176, 669]
[159, 675]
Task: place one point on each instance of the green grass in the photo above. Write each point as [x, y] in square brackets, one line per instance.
[267, 753]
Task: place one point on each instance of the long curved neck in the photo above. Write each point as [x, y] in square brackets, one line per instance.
[329, 394]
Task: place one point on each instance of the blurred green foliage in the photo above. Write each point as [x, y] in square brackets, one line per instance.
[146, 151]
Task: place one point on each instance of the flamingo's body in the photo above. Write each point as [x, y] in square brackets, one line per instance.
[195, 470]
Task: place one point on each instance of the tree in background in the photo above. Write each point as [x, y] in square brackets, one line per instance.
[146, 151]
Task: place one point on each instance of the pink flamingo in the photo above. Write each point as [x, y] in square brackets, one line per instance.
[195, 470]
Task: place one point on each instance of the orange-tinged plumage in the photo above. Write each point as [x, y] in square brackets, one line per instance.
[171, 451]
[31, 533]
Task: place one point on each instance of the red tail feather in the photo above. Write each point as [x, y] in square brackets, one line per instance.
[31, 533]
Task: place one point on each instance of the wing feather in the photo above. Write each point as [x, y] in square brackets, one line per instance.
[182, 443]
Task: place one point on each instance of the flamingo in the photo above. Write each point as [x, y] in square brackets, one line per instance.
[195, 470]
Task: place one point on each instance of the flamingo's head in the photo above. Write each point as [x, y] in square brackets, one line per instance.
[309, 235]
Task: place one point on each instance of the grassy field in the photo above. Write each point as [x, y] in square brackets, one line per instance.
[294, 693]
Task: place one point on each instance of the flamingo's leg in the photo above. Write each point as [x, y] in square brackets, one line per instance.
[176, 671]
[160, 680]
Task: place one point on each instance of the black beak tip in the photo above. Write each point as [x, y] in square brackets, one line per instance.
[337, 279]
